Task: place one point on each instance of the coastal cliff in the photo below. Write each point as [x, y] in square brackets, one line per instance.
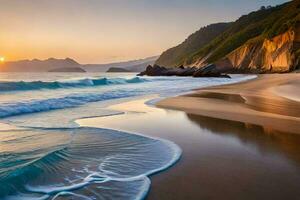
[276, 55]
[264, 41]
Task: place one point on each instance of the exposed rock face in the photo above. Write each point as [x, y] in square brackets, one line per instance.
[277, 55]
[207, 71]
[264, 41]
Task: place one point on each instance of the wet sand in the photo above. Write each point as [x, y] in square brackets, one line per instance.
[7, 127]
[271, 101]
[221, 159]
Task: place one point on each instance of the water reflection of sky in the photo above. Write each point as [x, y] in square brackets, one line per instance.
[226, 156]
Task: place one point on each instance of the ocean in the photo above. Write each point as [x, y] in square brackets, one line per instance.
[44, 154]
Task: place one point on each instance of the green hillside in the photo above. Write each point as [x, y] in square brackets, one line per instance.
[264, 23]
[177, 55]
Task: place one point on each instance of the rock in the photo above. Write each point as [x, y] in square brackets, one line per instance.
[156, 70]
[207, 71]
[270, 55]
[224, 76]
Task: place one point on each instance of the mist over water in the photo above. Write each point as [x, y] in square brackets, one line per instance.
[53, 158]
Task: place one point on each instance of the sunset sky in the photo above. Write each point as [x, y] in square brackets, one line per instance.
[101, 31]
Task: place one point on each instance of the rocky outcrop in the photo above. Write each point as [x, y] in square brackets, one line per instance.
[264, 41]
[154, 70]
[207, 71]
[279, 54]
[276, 55]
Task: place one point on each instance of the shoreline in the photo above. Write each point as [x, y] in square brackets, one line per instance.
[221, 157]
[210, 142]
[267, 100]
[249, 157]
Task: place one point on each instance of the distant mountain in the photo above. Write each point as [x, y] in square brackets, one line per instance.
[70, 69]
[35, 65]
[264, 41]
[132, 66]
[117, 69]
[70, 65]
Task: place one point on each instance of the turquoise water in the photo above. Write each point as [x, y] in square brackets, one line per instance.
[53, 158]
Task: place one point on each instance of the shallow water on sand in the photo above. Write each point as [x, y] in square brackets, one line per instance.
[220, 159]
[82, 163]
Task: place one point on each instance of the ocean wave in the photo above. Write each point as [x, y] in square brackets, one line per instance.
[6, 86]
[72, 100]
[69, 101]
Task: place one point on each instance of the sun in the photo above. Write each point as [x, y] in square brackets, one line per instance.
[2, 59]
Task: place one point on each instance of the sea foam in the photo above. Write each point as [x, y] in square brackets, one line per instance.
[94, 164]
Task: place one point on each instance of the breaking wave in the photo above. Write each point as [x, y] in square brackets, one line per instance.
[69, 101]
[6, 86]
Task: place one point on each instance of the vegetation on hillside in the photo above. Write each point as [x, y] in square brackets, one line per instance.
[264, 23]
[176, 55]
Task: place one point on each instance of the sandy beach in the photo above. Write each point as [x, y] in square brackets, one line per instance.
[231, 148]
[271, 101]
